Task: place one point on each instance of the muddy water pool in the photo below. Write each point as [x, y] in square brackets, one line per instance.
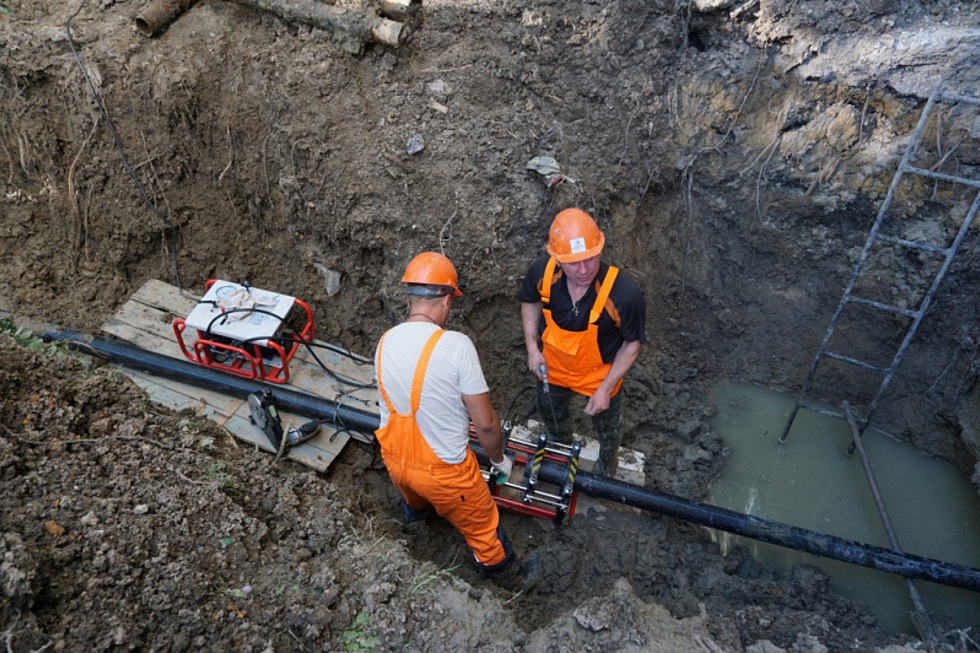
[809, 481]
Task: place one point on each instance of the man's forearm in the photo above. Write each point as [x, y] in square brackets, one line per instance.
[531, 318]
[621, 364]
[492, 442]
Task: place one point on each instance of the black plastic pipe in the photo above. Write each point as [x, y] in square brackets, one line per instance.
[183, 370]
[758, 528]
[764, 530]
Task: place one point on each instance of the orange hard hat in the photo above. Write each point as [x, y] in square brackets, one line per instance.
[431, 269]
[574, 236]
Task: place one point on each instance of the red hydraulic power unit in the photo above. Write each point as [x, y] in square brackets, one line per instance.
[246, 331]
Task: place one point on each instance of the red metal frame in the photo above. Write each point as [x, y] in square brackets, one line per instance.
[203, 348]
[518, 506]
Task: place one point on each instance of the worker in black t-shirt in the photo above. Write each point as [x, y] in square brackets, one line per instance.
[584, 323]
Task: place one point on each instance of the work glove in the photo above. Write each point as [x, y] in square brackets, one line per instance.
[504, 469]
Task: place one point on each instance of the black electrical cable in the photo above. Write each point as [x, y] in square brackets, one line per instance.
[345, 352]
[286, 340]
[173, 228]
[513, 400]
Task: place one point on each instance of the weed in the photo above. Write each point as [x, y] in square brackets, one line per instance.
[358, 636]
[422, 582]
[221, 478]
[292, 590]
[240, 594]
[29, 340]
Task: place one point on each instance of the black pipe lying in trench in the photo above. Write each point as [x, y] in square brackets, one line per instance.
[800, 539]
[287, 399]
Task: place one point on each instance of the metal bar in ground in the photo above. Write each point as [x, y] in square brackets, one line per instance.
[886, 203]
[943, 177]
[885, 307]
[815, 408]
[880, 503]
[911, 244]
[950, 97]
[854, 361]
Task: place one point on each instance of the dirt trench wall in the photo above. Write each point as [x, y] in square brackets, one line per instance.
[786, 171]
[733, 164]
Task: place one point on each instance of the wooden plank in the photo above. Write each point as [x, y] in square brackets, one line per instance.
[142, 338]
[164, 296]
[221, 405]
[154, 320]
[233, 414]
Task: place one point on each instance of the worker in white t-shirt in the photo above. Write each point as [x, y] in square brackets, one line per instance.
[432, 387]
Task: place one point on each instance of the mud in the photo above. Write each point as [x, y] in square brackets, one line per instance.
[735, 155]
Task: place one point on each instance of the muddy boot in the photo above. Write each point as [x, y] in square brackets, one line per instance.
[520, 576]
[606, 467]
[509, 575]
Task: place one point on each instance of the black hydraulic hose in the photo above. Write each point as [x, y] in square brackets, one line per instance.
[758, 528]
[188, 372]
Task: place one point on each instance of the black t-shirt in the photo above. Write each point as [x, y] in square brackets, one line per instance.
[623, 317]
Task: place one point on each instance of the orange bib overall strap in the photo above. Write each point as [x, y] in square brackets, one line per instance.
[573, 357]
[400, 439]
[457, 492]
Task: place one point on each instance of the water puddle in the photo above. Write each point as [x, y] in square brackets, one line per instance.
[810, 482]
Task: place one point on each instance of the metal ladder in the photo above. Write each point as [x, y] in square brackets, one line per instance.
[904, 167]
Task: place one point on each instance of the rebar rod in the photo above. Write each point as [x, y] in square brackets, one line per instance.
[879, 502]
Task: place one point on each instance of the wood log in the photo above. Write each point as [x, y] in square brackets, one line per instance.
[400, 10]
[362, 26]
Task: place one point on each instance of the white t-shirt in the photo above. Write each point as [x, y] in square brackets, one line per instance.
[454, 370]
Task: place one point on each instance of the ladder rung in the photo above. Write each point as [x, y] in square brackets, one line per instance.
[912, 244]
[938, 175]
[885, 307]
[958, 98]
[820, 409]
[854, 361]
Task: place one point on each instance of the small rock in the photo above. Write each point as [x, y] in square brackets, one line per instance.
[54, 528]
[415, 144]
[141, 509]
[440, 88]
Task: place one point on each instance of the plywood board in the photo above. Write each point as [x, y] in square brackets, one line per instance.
[146, 321]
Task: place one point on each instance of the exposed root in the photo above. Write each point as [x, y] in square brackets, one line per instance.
[78, 235]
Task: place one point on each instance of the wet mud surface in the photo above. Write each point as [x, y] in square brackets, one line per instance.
[733, 160]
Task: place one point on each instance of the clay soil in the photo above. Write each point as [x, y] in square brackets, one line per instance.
[735, 155]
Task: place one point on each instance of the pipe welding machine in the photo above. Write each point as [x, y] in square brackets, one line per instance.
[245, 331]
[529, 499]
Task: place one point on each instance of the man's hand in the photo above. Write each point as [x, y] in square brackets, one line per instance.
[504, 469]
[597, 402]
[535, 360]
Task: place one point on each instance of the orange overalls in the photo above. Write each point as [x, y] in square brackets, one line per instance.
[573, 357]
[458, 492]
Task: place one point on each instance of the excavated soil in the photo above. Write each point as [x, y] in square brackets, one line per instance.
[734, 153]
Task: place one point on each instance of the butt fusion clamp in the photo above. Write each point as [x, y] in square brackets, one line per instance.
[534, 468]
[529, 499]
[568, 487]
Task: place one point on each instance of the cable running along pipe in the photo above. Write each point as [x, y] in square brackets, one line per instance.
[758, 528]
